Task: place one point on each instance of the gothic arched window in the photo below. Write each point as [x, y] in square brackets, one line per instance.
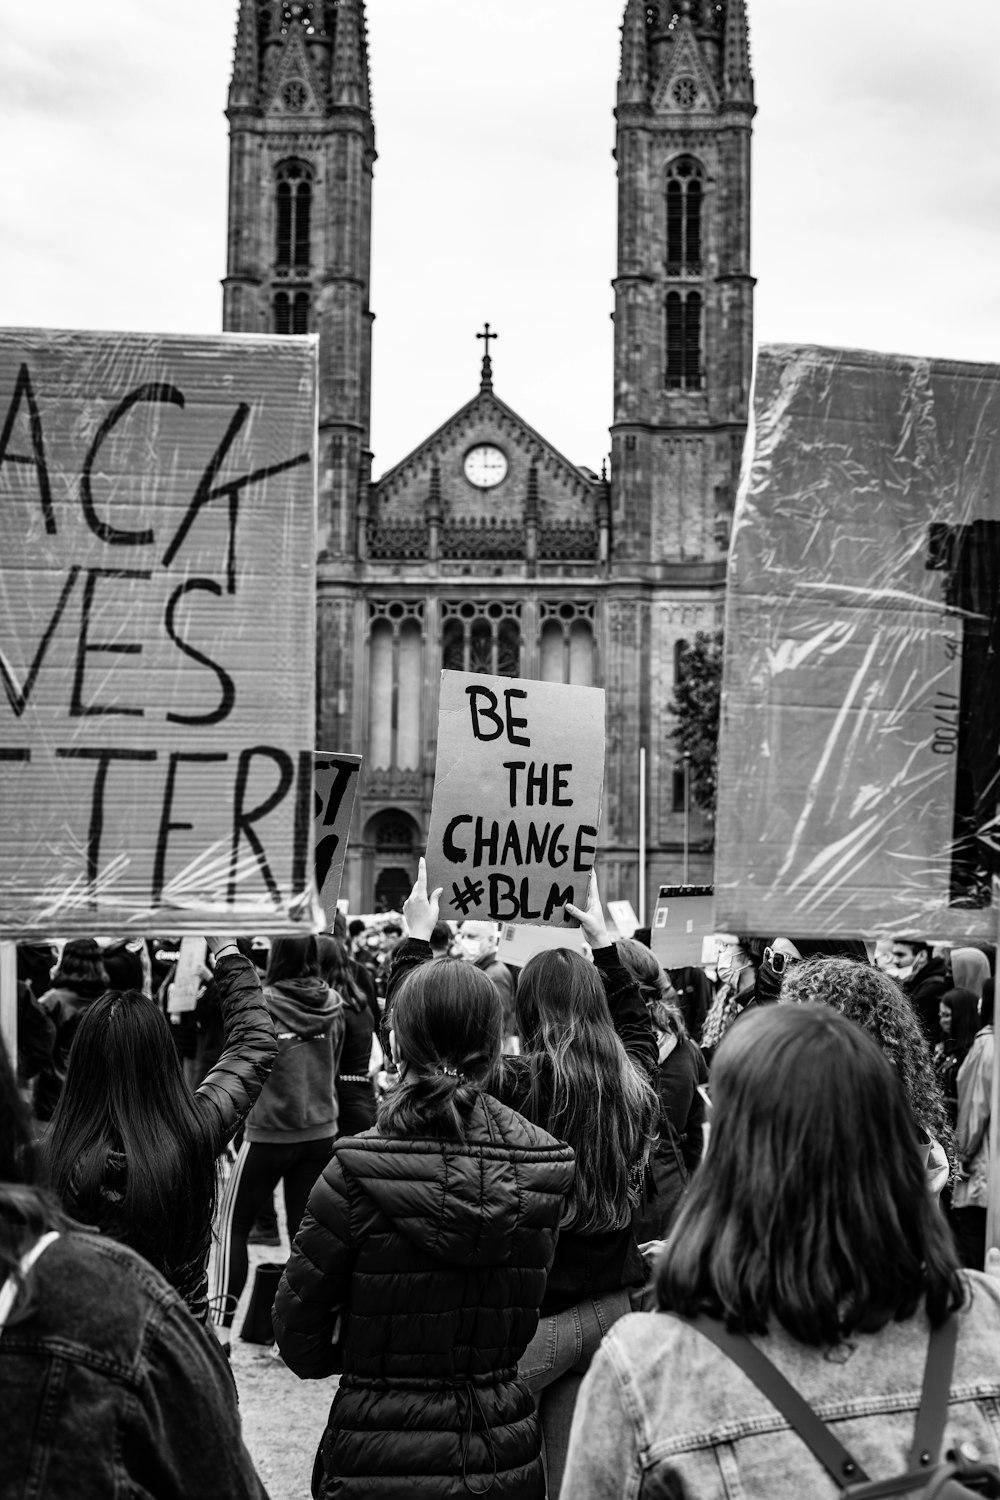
[481, 638]
[567, 643]
[293, 205]
[684, 205]
[684, 339]
[395, 685]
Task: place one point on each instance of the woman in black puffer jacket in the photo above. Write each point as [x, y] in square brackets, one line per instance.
[427, 1242]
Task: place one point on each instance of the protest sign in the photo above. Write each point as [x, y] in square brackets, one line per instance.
[520, 941]
[860, 741]
[622, 913]
[157, 626]
[517, 797]
[335, 785]
[683, 924]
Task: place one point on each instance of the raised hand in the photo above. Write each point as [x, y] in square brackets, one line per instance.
[420, 910]
[591, 917]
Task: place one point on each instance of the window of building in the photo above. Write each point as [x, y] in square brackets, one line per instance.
[684, 205]
[482, 638]
[684, 340]
[291, 312]
[395, 684]
[293, 216]
[567, 643]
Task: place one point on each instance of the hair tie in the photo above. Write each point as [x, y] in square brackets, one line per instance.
[452, 1073]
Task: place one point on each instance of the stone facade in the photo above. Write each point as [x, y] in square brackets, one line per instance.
[486, 549]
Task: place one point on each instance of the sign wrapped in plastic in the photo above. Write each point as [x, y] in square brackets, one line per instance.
[157, 628]
[860, 741]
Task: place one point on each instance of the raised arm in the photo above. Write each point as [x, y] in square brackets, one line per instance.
[628, 1011]
[249, 1047]
[420, 910]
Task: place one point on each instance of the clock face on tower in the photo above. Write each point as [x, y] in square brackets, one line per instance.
[485, 466]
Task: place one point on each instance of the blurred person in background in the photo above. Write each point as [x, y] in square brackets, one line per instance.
[681, 1072]
[970, 1191]
[958, 1017]
[77, 981]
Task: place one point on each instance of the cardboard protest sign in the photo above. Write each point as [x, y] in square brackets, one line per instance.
[157, 625]
[860, 743]
[335, 785]
[520, 941]
[683, 924]
[517, 797]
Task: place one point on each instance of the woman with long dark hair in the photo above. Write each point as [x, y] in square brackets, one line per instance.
[681, 1073]
[586, 1074]
[109, 1386]
[426, 1244]
[809, 1228]
[290, 1131]
[130, 1149]
[355, 1090]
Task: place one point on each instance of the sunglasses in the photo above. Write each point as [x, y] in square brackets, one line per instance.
[777, 961]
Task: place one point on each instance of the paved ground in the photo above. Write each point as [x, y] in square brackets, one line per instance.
[283, 1416]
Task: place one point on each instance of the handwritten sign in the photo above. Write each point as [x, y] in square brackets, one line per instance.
[860, 742]
[335, 785]
[517, 797]
[157, 555]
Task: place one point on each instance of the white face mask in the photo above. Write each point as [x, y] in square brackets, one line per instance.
[730, 962]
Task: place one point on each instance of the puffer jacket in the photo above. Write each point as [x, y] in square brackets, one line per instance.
[435, 1253]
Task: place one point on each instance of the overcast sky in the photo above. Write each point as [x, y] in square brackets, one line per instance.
[876, 186]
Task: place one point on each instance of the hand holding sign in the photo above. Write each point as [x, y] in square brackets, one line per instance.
[420, 911]
[591, 917]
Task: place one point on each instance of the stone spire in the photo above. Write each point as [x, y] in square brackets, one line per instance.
[737, 83]
[350, 81]
[633, 85]
[246, 64]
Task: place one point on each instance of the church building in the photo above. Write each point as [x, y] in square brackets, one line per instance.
[485, 549]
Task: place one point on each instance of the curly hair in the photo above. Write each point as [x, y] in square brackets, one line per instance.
[869, 997]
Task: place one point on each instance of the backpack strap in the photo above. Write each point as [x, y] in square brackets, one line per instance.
[928, 1434]
[932, 1414]
[831, 1453]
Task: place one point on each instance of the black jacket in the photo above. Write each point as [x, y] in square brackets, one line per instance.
[435, 1253]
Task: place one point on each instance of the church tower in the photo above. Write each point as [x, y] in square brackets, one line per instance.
[682, 358]
[302, 147]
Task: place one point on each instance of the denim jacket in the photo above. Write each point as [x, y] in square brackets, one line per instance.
[662, 1412]
[109, 1388]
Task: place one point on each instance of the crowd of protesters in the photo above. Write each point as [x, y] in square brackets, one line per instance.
[532, 1215]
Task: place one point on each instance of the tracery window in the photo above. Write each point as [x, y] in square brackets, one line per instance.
[395, 684]
[291, 312]
[685, 196]
[567, 643]
[684, 340]
[293, 215]
[481, 637]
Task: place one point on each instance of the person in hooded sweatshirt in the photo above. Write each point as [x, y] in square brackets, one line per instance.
[422, 1259]
[290, 1131]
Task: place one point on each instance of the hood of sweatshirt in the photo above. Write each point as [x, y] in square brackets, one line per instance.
[306, 1007]
[465, 1201]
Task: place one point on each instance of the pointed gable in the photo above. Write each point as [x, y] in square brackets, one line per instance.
[686, 85]
[294, 91]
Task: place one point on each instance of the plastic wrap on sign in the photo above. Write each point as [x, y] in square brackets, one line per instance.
[157, 628]
[860, 739]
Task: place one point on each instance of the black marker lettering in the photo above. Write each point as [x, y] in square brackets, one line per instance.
[77, 708]
[22, 387]
[104, 757]
[18, 698]
[225, 705]
[153, 392]
[243, 821]
[195, 757]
